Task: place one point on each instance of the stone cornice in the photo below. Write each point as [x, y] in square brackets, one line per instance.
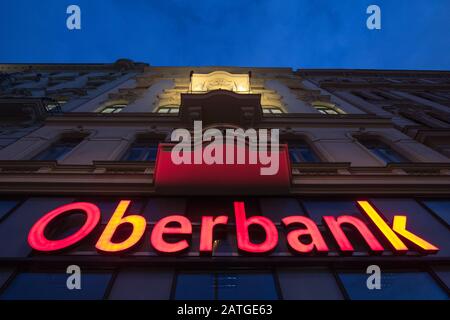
[136, 178]
[291, 119]
[121, 64]
[370, 72]
[388, 85]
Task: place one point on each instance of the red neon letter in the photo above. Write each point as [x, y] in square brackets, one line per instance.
[342, 240]
[161, 228]
[37, 239]
[207, 231]
[293, 237]
[243, 239]
[105, 243]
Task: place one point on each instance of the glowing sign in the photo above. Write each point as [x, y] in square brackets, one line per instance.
[37, 239]
[180, 228]
[105, 242]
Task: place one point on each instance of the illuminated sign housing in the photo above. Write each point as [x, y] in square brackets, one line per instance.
[178, 225]
[221, 178]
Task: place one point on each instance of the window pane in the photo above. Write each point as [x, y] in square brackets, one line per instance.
[383, 151]
[107, 110]
[302, 153]
[192, 286]
[142, 151]
[252, 286]
[441, 208]
[316, 209]
[226, 286]
[309, 283]
[6, 206]
[388, 154]
[134, 154]
[56, 151]
[52, 286]
[150, 153]
[411, 285]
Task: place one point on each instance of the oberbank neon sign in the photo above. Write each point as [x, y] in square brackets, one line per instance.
[398, 237]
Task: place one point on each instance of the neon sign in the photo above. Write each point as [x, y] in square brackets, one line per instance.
[398, 237]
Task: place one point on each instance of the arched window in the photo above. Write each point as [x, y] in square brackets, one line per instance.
[271, 110]
[327, 108]
[115, 108]
[172, 109]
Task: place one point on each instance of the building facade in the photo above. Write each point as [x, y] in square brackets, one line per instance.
[96, 134]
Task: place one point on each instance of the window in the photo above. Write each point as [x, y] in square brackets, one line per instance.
[382, 150]
[300, 151]
[52, 286]
[114, 108]
[439, 143]
[408, 285]
[271, 110]
[226, 286]
[441, 208]
[326, 108]
[59, 149]
[6, 206]
[55, 105]
[142, 150]
[308, 283]
[167, 109]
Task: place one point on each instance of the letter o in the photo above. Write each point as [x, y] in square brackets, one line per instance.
[37, 239]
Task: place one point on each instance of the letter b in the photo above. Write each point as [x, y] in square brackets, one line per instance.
[243, 238]
[105, 242]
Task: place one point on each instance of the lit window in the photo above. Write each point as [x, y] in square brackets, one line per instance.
[58, 149]
[302, 152]
[55, 105]
[172, 110]
[142, 150]
[272, 110]
[226, 286]
[408, 285]
[52, 286]
[327, 108]
[114, 108]
[382, 150]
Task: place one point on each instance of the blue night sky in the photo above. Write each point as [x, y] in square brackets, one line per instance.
[415, 34]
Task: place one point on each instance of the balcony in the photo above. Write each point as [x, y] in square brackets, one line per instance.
[26, 110]
[221, 107]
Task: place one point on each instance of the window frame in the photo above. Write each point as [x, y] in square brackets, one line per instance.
[114, 107]
[292, 142]
[219, 271]
[320, 105]
[142, 139]
[381, 140]
[60, 139]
